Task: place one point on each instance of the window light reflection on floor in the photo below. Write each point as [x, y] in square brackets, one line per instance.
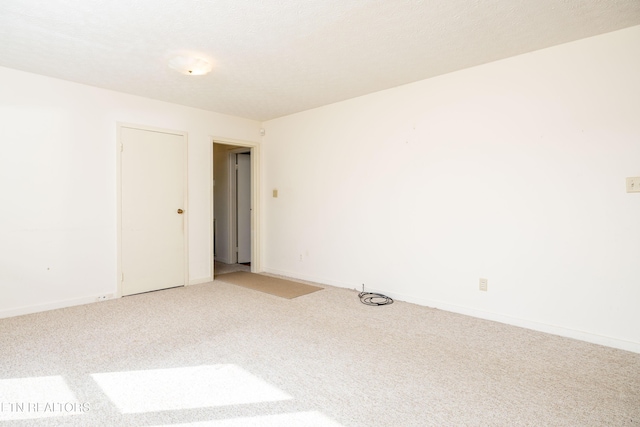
[296, 419]
[37, 397]
[185, 388]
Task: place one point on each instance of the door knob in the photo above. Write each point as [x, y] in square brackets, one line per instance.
[180, 211]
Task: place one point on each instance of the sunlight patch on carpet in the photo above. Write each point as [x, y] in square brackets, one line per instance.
[296, 419]
[185, 388]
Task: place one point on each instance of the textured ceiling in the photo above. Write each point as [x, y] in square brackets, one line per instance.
[276, 57]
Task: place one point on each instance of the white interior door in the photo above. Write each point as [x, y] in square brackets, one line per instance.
[243, 211]
[153, 178]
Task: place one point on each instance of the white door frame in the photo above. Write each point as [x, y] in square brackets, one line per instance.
[254, 149]
[119, 126]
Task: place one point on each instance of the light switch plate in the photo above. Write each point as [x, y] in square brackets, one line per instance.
[633, 184]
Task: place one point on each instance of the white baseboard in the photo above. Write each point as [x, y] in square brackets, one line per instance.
[21, 311]
[318, 280]
[200, 281]
[523, 323]
[496, 317]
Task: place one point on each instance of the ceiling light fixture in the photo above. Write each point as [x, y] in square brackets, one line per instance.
[191, 66]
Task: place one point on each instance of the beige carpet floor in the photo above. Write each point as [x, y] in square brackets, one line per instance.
[221, 355]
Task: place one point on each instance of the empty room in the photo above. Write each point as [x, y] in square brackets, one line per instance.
[331, 213]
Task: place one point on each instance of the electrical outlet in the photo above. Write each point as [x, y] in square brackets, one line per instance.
[104, 297]
[483, 284]
[633, 184]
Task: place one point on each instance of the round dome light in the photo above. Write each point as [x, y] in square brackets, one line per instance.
[190, 66]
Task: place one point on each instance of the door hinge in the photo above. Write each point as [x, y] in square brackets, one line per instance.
[121, 147]
[122, 277]
[236, 249]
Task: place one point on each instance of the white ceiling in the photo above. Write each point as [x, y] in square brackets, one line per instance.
[276, 57]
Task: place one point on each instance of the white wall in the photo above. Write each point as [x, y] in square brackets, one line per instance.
[58, 178]
[513, 171]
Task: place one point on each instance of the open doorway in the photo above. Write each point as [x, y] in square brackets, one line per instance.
[240, 191]
[235, 205]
